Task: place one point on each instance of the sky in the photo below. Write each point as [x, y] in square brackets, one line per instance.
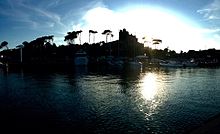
[181, 24]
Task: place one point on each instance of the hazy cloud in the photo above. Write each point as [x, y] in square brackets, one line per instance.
[60, 16]
[211, 11]
[211, 15]
[36, 17]
[209, 30]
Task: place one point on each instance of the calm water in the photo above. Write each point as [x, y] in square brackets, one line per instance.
[108, 101]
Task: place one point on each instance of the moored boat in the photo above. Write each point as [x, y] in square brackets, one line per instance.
[170, 64]
[2, 65]
[81, 58]
[135, 64]
[190, 63]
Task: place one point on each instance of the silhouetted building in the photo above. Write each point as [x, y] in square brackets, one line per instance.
[129, 44]
[126, 46]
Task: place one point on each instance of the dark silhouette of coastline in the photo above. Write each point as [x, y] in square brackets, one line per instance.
[43, 52]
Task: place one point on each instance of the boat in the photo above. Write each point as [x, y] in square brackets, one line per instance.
[190, 63]
[134, 63]
[2, 65]
[116, 63]
[81, 58]
[170, 64]
[209, 63]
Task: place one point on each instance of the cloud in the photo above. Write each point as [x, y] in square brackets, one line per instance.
[52, 3]
[74, 15]
[27, 13]
[211, 11]
[58, 17]
[209, 30]
[141, 22]
[174, 31]
[211, 16]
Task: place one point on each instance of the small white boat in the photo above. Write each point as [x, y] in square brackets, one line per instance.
[81, 58]
[190, 63]
[135, 64]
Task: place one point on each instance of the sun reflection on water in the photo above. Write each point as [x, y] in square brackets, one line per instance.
[149, 86]
[151, 90]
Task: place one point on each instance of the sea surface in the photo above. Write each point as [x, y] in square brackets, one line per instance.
[103, 100]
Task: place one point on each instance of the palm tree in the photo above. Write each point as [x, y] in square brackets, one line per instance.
[48, 39]
[156, 42]
[112, 35]
[21, 55]
[4, 44]
[79, 33]
[70, 37]
[25, 43]
[67, 38]
[93, 32]
[107, 32]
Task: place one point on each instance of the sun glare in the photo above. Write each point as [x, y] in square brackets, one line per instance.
[149, 91]
[176, 32]
[149, 86]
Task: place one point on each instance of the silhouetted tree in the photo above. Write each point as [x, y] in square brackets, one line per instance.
[70, 37]
[21, 54]
[156, 42]
[93, 32]
[112, 35]
[48, 39]
[25, 43]
[37, 49]
[79, 33]
[4, 44]
[107, 33]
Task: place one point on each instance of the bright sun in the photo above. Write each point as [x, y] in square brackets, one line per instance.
[176, 32]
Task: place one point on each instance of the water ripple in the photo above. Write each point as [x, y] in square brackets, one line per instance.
[152, 101]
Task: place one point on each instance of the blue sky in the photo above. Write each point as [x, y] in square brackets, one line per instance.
[182, 25]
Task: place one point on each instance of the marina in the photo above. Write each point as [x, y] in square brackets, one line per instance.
[110, 67]
[99, 100]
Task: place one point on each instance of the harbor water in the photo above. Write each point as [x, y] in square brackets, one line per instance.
[102, 100]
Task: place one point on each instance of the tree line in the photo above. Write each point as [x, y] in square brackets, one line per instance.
[44, 50]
